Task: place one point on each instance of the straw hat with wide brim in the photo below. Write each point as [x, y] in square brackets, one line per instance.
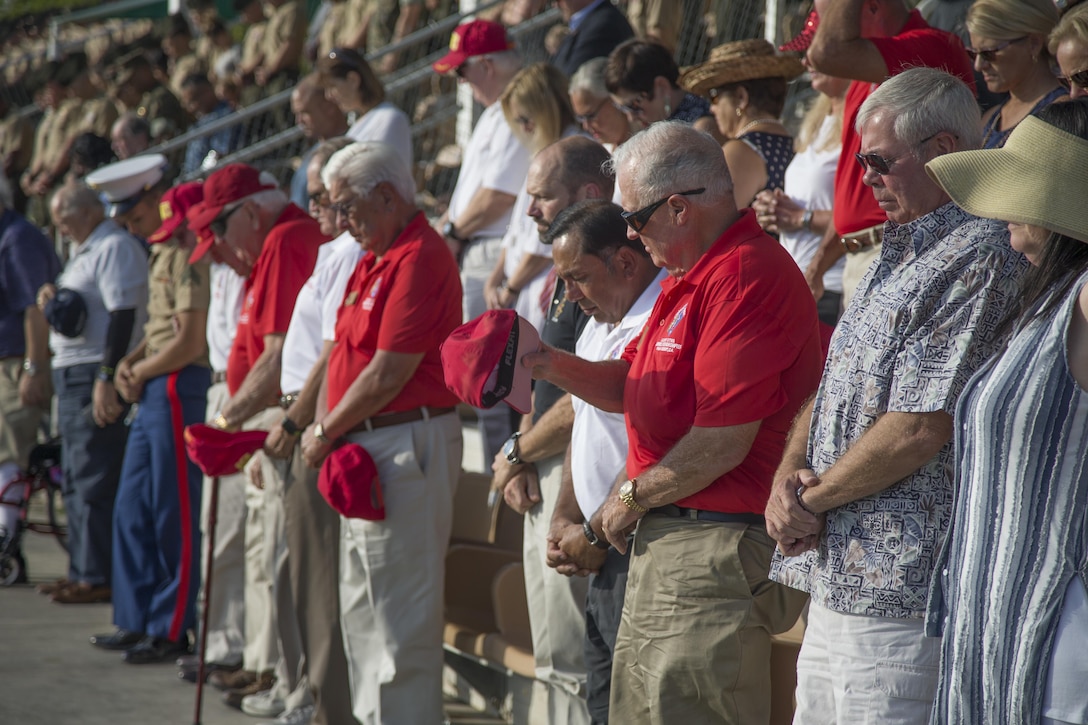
[1038, 178]
[742, 60]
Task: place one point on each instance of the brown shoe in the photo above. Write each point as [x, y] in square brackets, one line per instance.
[53, 586]
[264, 681]
[232, 680]
[82, 594]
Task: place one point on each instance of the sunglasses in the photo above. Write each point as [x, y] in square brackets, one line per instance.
[1079, 78]
[883, 166]
[219, 224]
[583, 120]
[988, 54]
[638, 220]
[633, 106]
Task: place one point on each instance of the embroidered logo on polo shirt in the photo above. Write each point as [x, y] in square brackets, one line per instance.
[668, 344]
[368, 303]
[676, 319]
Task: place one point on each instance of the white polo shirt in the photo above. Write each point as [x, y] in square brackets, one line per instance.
[495, 159]
[223, 313]
[388, 124]
[109, 271]
[314, 317]
[599, 440]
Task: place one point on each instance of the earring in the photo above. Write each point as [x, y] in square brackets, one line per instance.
[668, 109]
[739, 113]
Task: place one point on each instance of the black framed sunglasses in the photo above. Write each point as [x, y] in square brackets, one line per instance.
[1079, 77]
[638, 219]
[883, 166]
[988, 54]
[219, 224]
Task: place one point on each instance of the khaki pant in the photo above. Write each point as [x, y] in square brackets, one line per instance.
[18, 424]
[557, 615]
[694, 643]
[857, 265]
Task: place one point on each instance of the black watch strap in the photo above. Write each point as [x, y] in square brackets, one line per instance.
[592, 536]
[290, 427]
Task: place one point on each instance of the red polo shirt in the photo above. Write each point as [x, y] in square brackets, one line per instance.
[287, 260]
[406, 301]
[735, 340]
[916, 45]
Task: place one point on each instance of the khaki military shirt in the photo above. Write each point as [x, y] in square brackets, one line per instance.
[287, 23]
[98, 116]
[253, 43]
[174, 286]
[184, 67]
[331, 30]
[64, 127]
[16, 142]
[163, 112]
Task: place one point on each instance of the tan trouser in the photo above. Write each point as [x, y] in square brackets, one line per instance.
[694, 643]
[557, 615]
[18, 424]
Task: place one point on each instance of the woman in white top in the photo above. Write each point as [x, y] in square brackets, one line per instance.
[801, 214]
[351, 84]
[537, 108]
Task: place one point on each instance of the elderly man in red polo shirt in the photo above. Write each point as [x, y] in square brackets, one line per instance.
[729, 355]
[385, 392]
[280, 242]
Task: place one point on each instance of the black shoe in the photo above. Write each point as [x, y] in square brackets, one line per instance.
[121, 639]
[188, 670]
[151, 650]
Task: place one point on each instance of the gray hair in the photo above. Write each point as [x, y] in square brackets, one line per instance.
[364, 165]
[325, 150]
[669, 157]
[590, 78]
[7, 196]
[506, 61]
[924, 102]
[76, 197]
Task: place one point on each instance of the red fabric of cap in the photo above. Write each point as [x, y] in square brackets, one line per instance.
[221, 453]
[478, 37]
[481, 360]
[227, 185]
[176, 202]
[349, 483]
[804, 38]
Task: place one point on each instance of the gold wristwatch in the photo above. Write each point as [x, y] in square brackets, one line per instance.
[319, 434]
[627, 495]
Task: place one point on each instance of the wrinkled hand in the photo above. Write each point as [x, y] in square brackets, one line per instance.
[45, 293]
[253, 471]
[504, 470]
[106, 407]
[129, 382]
[314, 452]
[539, 362]
[764, 206]
[279, 443]
[618, 521]
[35, 390]
[795, 529]
[583, 558]
[491, 297]
[522, 491]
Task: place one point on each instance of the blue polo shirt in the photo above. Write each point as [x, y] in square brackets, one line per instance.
[27, 261]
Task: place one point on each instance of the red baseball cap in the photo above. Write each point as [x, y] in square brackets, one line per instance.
[804, 38]
[349, 483]
[225, 186]
[482, 360]
[221, 453]
[478, 37]
[172, 208]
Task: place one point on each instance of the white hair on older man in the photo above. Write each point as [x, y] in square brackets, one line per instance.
[923, 102]
[364, 165]
[669, 157]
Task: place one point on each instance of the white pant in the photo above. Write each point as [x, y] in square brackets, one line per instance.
[226, 608]
[392, 574]
[858, 670]
[557, 618]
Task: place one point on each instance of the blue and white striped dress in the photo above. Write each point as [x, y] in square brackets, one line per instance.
[1019, 531]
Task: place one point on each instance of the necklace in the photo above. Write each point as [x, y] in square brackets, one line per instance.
[752, 124]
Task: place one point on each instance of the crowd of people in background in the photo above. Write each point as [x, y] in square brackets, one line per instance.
[836, 375]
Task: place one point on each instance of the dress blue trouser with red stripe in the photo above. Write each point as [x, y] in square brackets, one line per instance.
[156, 517]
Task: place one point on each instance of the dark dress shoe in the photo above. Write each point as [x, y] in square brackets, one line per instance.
[82, 594]
[234, 680]
[189, 670]
[262, 682]
[121, 639]
[151, 650]
[53, 587]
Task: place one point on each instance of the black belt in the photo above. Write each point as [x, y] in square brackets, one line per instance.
[288, 399]
[677, 512]
[407, 416]
[219, 376]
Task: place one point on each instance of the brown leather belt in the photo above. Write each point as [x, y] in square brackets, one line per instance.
[219, 376]
[407, 416]
[288, 399]
[861, 240]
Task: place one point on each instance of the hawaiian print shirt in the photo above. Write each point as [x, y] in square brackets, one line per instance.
[923, 319]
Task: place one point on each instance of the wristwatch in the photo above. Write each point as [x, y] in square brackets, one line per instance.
[289, 427]
[30, 368]
[319, 433]
[627, 495]
[221, 423]
[510, 449]
[592, 536]
[449, 230]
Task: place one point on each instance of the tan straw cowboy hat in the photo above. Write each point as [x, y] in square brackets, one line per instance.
[741, 60]
[1038, 178]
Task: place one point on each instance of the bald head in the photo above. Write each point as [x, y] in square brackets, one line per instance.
[577, 161]
[76, 210]
[317, 116]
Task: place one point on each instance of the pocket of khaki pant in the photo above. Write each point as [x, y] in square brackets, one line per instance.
[906, 681]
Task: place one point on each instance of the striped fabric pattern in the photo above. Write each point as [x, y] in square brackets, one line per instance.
[1019, 529]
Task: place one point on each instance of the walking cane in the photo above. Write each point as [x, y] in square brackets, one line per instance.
[213, 516]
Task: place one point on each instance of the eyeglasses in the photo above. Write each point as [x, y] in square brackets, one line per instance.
[342, 207]
[219, 224]
[638, 220]
[883, 166]
[988, 54]
[1079, 77]
[634, 106]
[583, 120]
[318, 198]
